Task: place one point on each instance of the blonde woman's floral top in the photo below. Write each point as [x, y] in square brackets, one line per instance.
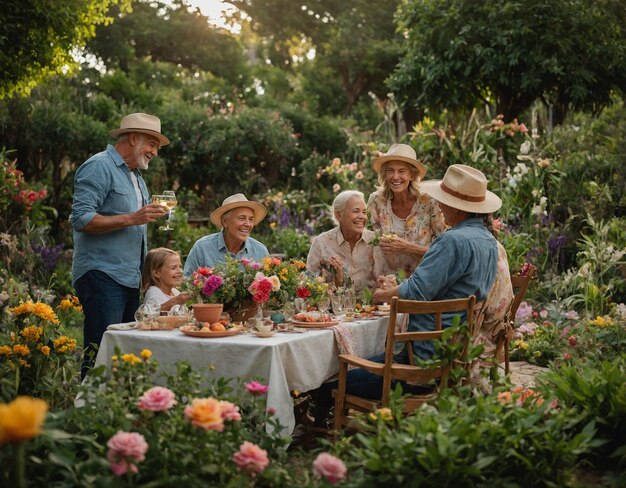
[496, 306]
[422, 225]
[363, 264]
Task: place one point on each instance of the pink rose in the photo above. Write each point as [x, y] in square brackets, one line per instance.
[251, 458]
[125, 449]
[543, 314]
[157, 399]
[230, 411]
[256, 388]
[330, 467]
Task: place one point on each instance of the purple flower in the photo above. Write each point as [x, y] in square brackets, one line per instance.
[211, 284]
[49, 255]
[556, 243]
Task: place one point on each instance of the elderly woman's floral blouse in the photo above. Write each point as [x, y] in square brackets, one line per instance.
[422, 225]
[363, 264]
[496, 306]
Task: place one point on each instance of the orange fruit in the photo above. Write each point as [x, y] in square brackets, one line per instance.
[217, 326]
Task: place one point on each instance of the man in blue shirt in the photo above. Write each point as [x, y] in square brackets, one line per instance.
[237, 217]
[110, 213]
[460, 262]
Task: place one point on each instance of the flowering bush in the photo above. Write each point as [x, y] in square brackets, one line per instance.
[34, 353]
[312, 289]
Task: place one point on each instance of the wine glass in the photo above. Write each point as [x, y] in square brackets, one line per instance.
[336, 302]
[167, 200]
[323, 304]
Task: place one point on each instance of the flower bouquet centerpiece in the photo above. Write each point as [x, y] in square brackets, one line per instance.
[238, 285]
[290, 273]
[313, 290]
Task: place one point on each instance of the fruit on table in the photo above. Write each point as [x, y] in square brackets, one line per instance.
[217, 326]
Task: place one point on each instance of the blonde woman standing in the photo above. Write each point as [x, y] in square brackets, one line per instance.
[408, 219]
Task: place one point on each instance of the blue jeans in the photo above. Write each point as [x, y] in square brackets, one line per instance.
[361, 382]
[104, 302]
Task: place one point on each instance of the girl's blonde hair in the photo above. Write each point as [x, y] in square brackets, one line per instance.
[154, 260]
[414, 185]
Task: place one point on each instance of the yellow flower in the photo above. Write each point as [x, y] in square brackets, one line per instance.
[45, 350]
[602, 321]
[24, 363]
[21, 419]
[296, 393]
[131, 359]
[114, 357]
[32, 333]
[6, 351]
[65, 304]
[521, 344]
[273, 225]
[21, 349]
[145, 354]
[64, 344]
[45, 311]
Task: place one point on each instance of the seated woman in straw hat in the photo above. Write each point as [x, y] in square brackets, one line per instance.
[237, 216]
[407, 218]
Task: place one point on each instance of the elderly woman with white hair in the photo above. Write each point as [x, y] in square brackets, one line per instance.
[345, 249]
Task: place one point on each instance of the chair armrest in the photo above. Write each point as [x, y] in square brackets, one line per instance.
[371, 366]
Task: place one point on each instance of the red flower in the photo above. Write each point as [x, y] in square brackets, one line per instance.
[303, 292]
[572, 341]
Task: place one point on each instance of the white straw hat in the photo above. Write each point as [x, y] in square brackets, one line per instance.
[465, 188]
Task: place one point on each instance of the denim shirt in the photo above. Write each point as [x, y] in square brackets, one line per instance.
[460, 262]
[210, 250]
[102, 185]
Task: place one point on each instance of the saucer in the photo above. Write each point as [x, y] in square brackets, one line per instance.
[264, 334]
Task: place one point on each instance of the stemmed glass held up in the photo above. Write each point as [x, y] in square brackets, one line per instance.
[167, 200]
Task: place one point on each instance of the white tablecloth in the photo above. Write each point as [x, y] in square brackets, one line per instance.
[286, 361]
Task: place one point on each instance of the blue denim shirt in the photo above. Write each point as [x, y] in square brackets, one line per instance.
[102, 185]
[210, 250]
[460, 262]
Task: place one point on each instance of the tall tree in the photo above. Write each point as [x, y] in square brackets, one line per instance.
[37, 38]
[355, 42]
[173, 33]
[461, 53]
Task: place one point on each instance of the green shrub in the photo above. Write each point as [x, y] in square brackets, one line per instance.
[597, 390]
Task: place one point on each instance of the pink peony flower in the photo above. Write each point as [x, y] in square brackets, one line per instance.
[230, 411]
[251, 458]
[126, 449]
[330, 467]
[157, 399]
[205, 413]
[256, 388]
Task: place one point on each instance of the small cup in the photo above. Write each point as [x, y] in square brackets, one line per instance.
[264, 327]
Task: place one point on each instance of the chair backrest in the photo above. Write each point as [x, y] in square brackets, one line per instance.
[410, 372]
[520, 286]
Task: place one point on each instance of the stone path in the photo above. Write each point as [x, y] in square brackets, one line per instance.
[523, 373]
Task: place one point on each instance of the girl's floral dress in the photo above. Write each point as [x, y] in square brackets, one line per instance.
[422, 225]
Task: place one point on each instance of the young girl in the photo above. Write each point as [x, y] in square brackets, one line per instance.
[162, 272]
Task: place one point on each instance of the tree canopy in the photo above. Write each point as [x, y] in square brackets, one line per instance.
[462, 54]
[37, 38]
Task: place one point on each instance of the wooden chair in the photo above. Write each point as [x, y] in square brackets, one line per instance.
[391, 371]
[520, 286]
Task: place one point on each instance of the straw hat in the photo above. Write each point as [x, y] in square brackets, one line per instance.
[465, 188]
[235, 201]
[144, 123]
[400, 152]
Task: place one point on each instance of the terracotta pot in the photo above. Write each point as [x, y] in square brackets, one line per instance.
[207, 312]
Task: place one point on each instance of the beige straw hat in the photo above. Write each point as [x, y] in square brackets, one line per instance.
[465, 188]
[400, 152]
[235, 201]
[144, 123]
